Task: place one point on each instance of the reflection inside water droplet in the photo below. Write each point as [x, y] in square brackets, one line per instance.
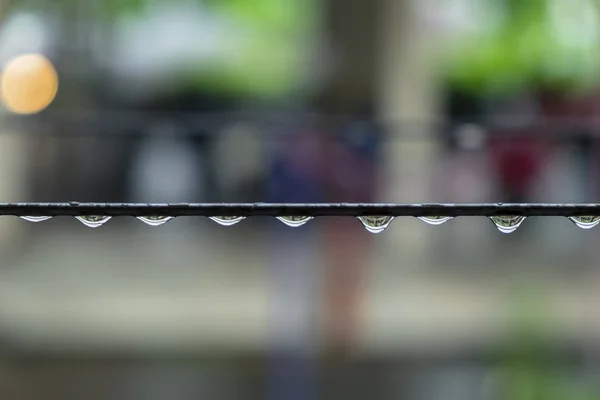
[435, 220]
[155, 220]
[227, 221]
[93, 221]
[585, 222]
[376, 224]
[35, 219]
[508, 224]
[295, 222]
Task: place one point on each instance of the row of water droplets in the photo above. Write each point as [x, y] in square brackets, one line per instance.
[374, 224]
[95, 221]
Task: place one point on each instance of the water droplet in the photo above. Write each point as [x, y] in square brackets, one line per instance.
[227, 221]
[155, 220]
[435, 220]
[35, 219]
[506, 224]
[93, 221]
[376, 224]
[585, 222]
[294, 222]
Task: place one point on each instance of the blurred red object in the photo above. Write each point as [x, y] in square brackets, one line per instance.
[518, 162]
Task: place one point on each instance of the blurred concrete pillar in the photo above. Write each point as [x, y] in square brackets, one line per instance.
[352, 29]
[13, 165]
[408, 103]
[13, 183]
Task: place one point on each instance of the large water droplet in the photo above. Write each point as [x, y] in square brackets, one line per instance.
[585, 222]
[35, 219]
[376, 224]
[508, 224]
[227, 221]
[294, 222]
[435, 220]
[155, 220]
[93, 221]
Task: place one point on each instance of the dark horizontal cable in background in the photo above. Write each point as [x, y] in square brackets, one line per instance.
[126, 123]
[269, 209]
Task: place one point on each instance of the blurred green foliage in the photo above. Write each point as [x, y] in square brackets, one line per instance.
[275, 35]
[273, 56]
[540, 44]
[109, 9]
[531, 369]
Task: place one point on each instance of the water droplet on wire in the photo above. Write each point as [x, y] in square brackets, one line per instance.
[508, 224]
[585, 222]
[376, 224]
[227, 221]
[435, 220]
[155, 220]
[294, 222]
[93, 221]
[35, 219]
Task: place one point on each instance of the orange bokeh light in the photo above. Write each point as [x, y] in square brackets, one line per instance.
[29, 84]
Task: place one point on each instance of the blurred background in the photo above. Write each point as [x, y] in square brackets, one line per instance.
[301, 101]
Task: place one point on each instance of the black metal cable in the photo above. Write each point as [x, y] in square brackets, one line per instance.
[291, 209]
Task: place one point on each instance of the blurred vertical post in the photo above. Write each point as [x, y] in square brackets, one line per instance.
[13, 181]
[13, 162]
[348, 167]
[407, 101]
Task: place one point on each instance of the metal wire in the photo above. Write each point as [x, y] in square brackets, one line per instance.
[291, 209]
